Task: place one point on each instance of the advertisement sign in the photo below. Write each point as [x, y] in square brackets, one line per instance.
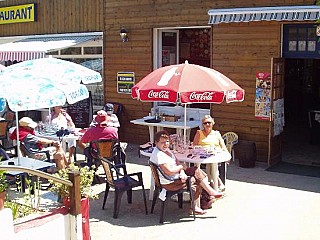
[18, 14]
[125, 81]
[263, 96]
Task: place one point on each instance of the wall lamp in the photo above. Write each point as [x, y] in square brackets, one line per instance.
[124, 35]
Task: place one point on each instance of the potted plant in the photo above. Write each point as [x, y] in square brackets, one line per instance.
[3, 188]
[86, 179]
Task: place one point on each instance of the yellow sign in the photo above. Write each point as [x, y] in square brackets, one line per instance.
[125, 81]
[18, 14]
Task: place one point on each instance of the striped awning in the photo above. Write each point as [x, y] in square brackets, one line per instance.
[281, 13]
[37, 46]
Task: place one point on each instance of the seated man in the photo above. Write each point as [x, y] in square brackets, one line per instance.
[101, 130]
[113, 119]
[34, 144]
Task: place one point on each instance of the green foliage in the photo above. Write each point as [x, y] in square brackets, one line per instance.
[19, 210]
[3, 181]
[86, 179]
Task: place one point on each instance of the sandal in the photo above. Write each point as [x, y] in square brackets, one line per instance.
[216, 196]
[198, 212]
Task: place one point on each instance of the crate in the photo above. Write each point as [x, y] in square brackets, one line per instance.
[170, 118]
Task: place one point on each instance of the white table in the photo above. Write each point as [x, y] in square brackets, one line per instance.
[221, 157]
[179, 126]
[53, 136]
[27, 163]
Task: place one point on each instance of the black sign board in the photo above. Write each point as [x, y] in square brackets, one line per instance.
[81, 112]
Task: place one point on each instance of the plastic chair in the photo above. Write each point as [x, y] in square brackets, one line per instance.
[120, 182]
[158, 188]
[231, 139]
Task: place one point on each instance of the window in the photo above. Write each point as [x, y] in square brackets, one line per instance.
[300, 41]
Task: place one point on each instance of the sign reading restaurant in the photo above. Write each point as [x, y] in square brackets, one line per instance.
[18, 14]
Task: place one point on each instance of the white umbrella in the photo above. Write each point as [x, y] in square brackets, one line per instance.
[44, 83]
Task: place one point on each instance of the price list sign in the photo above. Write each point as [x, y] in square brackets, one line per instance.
[125, 81]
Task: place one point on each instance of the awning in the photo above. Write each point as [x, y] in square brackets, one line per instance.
[37, 46]
[280, 13]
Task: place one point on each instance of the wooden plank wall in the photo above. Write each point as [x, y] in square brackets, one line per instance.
[58, 16]
[239, 51]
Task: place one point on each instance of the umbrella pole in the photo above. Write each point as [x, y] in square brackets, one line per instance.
[185, 125]
[18, 141]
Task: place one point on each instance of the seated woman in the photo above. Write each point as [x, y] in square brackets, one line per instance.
[35, 144]
[164, 158]
[62, 119]
[212, 140]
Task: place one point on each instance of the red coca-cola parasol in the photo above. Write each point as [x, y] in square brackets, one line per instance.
[187, 83]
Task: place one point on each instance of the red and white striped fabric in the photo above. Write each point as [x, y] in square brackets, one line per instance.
[21, 56]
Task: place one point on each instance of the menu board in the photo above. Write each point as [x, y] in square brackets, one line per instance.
[81, 112]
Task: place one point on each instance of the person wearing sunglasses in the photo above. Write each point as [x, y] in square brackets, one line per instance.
[212, 140]
[170, 166]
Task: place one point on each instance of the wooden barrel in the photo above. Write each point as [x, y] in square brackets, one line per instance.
[246, 153]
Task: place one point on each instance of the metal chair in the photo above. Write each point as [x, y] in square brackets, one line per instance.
[27, 153]
[120, 181]
[155, 169]
[231, 139]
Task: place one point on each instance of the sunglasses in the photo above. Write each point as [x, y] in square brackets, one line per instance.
[205, 123]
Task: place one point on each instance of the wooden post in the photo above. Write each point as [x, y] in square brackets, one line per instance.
[75, 196]
[75, 206]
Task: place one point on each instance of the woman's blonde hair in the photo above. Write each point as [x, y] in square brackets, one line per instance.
[207, 118]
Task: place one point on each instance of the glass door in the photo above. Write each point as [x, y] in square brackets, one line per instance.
[167, 47]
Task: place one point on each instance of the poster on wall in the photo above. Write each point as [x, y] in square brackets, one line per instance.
[278, 109]
[263, 96]
[125, 81]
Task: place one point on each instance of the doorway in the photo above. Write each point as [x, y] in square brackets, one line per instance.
[301, 142]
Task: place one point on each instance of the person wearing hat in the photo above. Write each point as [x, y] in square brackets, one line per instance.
[113, 119]
[101, 130]
[35, 144]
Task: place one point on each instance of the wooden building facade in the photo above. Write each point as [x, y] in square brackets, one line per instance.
[239, 50]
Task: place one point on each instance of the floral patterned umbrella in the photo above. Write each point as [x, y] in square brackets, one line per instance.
[44, 83]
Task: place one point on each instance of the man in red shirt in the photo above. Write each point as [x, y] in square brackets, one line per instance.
[98, 132]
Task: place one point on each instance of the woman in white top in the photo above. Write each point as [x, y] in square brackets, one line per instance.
[60, 118]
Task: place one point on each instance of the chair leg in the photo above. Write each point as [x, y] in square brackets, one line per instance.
[164, 203]
[105, 195]
[180, 200]
[117, 203]
[129, 196]
[145, 199]
[154, 200]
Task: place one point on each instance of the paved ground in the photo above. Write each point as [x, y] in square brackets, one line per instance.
[258, 205]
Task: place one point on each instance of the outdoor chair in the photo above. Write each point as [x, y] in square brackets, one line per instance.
[120, 181]
[27, 153]
[10, 117]
[117, 109]
[155, 169]
[5, 144]
[230, 139]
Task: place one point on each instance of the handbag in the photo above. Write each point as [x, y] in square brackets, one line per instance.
[62, 132]
[205, 200]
